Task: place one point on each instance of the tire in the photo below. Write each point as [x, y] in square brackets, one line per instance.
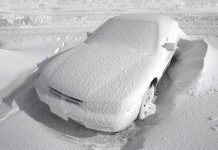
[147, 106]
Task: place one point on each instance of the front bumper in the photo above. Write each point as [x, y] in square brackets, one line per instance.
[97, 121]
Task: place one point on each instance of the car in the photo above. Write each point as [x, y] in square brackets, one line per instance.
[109, 80]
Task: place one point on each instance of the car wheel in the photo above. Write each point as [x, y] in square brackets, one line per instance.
[147, 106]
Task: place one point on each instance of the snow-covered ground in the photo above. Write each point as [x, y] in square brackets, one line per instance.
[187, 116]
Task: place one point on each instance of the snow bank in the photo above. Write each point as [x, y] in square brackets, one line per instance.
[195, 67]
[188, 126]
[19, 63]
[208, 79]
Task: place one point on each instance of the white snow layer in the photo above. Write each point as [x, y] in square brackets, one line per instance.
[140, 36]
[208, 79]
[197, 59]
[182, 121]
[109, 71]
[190, 123]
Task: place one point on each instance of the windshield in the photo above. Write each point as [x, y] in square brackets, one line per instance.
[139, 35]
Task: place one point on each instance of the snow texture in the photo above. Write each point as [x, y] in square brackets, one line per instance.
[187, 94]
[181, 117]
[109, 74]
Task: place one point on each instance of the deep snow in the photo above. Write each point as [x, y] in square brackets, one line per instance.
[187, 115]
[183, 119]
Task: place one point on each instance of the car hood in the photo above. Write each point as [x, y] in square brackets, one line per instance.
[92, 73]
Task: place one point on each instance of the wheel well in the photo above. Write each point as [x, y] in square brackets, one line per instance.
[154, 82]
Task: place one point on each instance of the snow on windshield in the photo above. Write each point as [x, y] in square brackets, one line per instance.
[139, 35]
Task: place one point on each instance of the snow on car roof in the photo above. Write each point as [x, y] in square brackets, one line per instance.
[166, 24]
[137, 35]
[138, 32]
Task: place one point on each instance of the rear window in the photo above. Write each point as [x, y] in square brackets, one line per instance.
[134, 34]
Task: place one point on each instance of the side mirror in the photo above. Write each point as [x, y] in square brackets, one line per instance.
[88, 34]
[169, 46]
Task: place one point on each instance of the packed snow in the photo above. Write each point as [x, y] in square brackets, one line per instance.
[187, 116]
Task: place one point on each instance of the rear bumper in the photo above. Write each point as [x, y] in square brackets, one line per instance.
[97, 121]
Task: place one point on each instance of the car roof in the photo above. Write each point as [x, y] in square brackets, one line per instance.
[166, 24]
[132, 30]
[139, 32]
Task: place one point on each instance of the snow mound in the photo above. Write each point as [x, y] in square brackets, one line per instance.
[19, 63]
[195, 67]
[208, 80]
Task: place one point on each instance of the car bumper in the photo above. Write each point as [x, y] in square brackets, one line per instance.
[97, 121]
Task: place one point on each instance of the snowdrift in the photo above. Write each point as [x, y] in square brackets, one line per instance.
[195, 67]
[192, 64]
[193, 71]
[19, 64]
[208, 79]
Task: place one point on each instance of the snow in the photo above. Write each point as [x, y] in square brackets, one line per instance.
[109, 72]
[107, 87]
[24, 60]
[187, 104]
[113, 34]
[207, 81]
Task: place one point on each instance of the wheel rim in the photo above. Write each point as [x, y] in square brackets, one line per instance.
[150, 95]
[147, 107]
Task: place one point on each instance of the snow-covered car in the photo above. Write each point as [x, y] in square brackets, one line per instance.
[109, 80]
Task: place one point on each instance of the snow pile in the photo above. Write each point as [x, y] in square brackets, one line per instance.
[195, 70]
[208, 79]
[23, 58]
[19, 63]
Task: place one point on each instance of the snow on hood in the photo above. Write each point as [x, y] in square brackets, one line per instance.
[91, 73]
